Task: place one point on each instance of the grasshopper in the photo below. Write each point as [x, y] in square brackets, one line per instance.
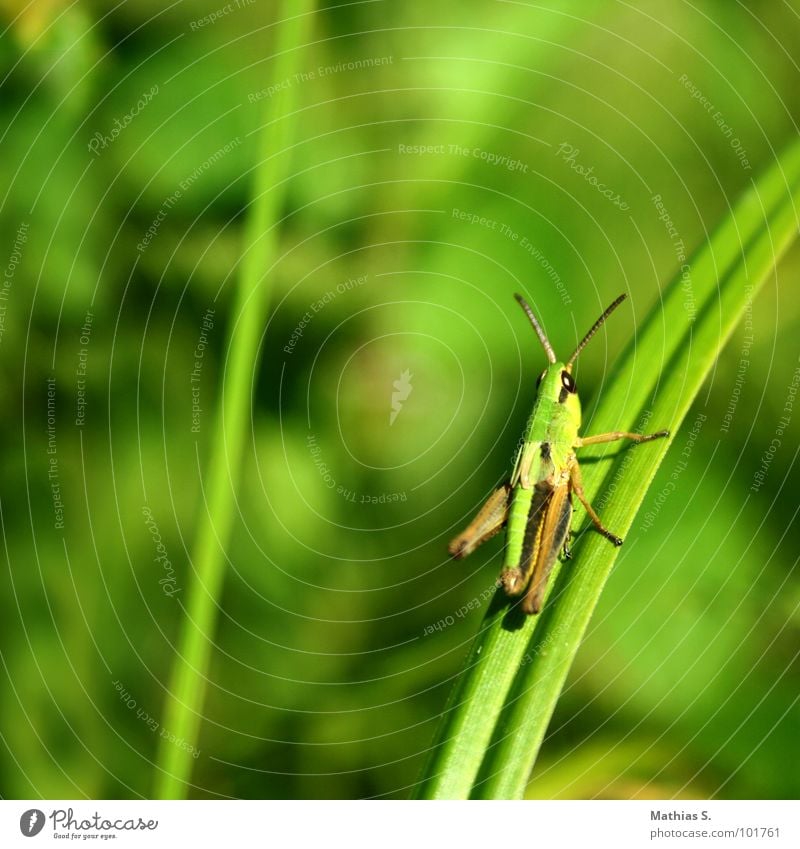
[536, 502]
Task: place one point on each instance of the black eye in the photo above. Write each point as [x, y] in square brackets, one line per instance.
[567, 382]
[540, 378]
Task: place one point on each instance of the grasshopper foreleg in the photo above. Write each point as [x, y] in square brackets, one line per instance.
[575, 473]
[619, 434]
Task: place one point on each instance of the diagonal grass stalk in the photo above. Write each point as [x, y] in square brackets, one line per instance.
[690, 355]
[183, 709]
[493, 726]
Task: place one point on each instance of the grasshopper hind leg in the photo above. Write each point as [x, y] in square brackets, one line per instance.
[490, 520]
[566, 548]
[513, 581]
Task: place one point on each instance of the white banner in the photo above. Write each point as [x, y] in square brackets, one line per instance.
[385, 825]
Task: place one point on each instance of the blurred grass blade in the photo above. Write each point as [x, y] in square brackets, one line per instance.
[185, 699]
[652, 386]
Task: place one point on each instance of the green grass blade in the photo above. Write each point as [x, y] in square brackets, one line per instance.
[184, 704]
[489, 735]
[474, 705]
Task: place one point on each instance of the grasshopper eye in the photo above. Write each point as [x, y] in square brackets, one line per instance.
[540, 378]
[567, 382]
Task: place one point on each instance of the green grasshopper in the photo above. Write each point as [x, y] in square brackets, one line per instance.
[536, 503]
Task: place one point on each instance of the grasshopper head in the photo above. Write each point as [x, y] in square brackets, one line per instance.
[556, 381]
[557, 384]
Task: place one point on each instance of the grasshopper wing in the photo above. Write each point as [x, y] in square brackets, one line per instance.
[552, 532]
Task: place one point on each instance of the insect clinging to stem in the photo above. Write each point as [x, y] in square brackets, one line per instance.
[536, 502]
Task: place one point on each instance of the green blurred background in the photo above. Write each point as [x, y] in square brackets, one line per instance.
[326, 677]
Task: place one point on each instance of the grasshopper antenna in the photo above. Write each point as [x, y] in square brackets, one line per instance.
[595, 328]
[548, 348]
